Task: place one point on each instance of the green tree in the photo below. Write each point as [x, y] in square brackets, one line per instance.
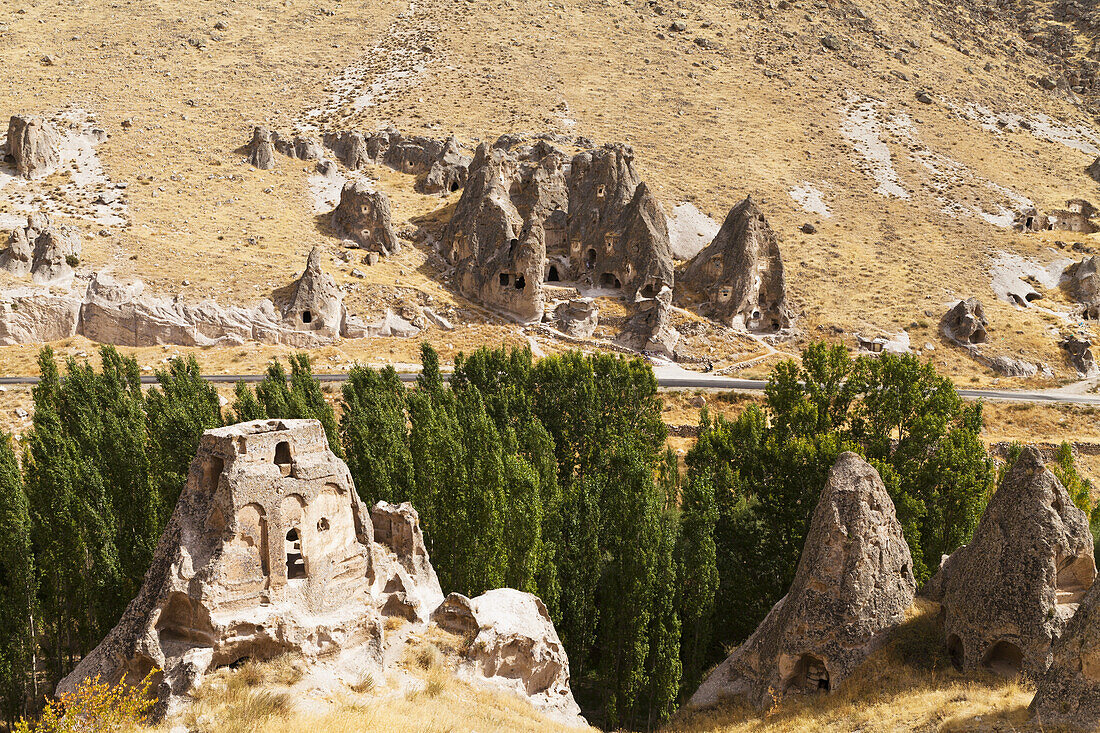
[177, 413]
[374, 432]
[17, 588]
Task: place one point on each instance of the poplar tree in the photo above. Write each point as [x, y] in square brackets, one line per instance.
[17, 588]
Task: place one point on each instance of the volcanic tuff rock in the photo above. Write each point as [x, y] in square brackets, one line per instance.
[853, 584]
[261, 149]
[617, 233]
[739, 275]
[363, 215]
[1081, 280]
[511, 641]
[1068, 695]
[269, 550]
[44, 249]
[650, 328]
[316, 305]
[1008, 594]
[33, 145]
[965, 323]
[578, 317]
[440, 161]
[499, 249]
[1078, 349]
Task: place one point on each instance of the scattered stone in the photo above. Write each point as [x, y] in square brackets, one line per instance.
[808, 228]
[1008, 594]
[738, 277]
[830, 42]
[924, 97]
[511, 642]
[853, 584]
[965, 323]
[363, 215]
[33, 145]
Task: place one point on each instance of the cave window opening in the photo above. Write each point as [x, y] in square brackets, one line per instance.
[505, 278]
[295, 562]
[809, 675]
[521, 283]
[552, 276]
[1004, 658]
[590, 258]
[307, 317]
[322, 524]
[512, 244]
[454, 186]
[282, 457]
[649, 290]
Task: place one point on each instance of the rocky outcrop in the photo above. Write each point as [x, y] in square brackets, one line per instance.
[1078, 348]
[1081, 281]
[577, 318]
[316, 304]
[33, 145]
[409, 587]
[738, 278]
[269, 550]
[261, 149]
[498, 252]
[1008, 366]
[36, 315]
[441, 162]
[650, 330]
[301, 148]
[617, 233]
[1068, 694]
[1008, 594]
[853, 584]
[363, 216]
[1078, 216]
[1093, 170]
[965, 324]
[46, 250]
[512, 643]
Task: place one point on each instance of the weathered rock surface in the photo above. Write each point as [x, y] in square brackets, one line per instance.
[1068, 694]
[119, 311]
[363, 216]
[738, 278]
[261, 149]
[498, 253]
[269, 550]
[512, 643]
[1081, 280]
[44, 249]
[1008, 594]
[617, 233]
[1093, 170]
[302, 148]
[1007, 366]
[33, 145]
[650, 330]
[577, 318]
[853, 584]
[965, 323]
[441, 162]
[1078, 349]
[316, 304]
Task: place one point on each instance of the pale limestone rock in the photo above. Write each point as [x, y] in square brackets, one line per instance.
[33, 145]
[512, 645]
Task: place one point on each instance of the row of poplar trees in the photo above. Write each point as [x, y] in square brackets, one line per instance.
[552, 477]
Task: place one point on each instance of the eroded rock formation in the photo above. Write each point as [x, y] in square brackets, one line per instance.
[650, 330]
[316, 304]
[617, 233]
[1081, 280]
[33, 145]
[853, 584]
[497, 247]
[1008, 594]
[577, 318]
[1068, 694]
[1078, 348]
[441, 162]
[261, 148]
[44, 249]
[965, 324]
[269, 550]
[363, 216]
[738, 278]
[512, 643]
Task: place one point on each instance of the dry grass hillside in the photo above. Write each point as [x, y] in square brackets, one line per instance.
[814, 101]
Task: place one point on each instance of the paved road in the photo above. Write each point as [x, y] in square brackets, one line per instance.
[701, 381]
